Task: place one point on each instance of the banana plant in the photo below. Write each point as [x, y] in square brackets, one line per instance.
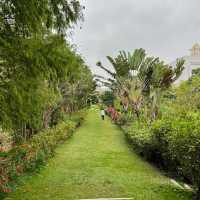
[162, 77]
[140, 80]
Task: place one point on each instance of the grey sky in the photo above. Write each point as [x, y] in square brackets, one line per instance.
[164, 28]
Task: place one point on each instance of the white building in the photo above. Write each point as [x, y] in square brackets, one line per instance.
[191, 62]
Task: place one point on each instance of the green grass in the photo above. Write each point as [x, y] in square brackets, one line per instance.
[97, 162]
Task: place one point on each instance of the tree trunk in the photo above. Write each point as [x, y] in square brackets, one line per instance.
[47, 117]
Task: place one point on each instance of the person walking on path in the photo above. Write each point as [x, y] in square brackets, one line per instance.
[102, 113]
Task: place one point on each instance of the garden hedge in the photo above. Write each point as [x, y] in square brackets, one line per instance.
[172, 142]
[30, 155]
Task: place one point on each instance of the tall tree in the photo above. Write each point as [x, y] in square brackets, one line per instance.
[26, 18]
[34, 60]
[139, 79]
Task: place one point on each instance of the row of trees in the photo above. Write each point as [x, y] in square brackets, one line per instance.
[138, 81]
[40, 72]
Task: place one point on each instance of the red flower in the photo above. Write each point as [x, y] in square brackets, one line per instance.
[7, 190]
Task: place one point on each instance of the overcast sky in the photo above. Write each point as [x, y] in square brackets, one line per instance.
[164, 28]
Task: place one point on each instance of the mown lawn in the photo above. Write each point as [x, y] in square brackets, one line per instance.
[97, 162]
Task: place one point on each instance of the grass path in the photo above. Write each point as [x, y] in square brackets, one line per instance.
[97, 162]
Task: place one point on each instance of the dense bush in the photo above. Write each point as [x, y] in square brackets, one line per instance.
[77, 117]
[172, 142]
[107, 98]
[178, 141]
[30, 155]
[139, 135]
[121, 119]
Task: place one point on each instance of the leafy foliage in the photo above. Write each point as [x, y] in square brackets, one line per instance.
[35, 59]
[166, 127]
[108, 98]
[138, 80]
[28, 17]
[172, 142]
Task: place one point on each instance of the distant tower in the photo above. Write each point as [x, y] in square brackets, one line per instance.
[195, 51]
[192, 62]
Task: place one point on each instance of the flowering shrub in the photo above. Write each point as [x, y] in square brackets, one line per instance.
[113, 114]
[30, 155]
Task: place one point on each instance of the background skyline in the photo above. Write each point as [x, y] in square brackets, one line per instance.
[165, 29]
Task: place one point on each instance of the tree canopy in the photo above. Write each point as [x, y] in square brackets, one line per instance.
[36, 61]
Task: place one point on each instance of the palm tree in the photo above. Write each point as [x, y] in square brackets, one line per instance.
[140, 80]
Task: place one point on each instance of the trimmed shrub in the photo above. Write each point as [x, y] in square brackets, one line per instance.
[178, 140]
[139, 135]
[172, 142]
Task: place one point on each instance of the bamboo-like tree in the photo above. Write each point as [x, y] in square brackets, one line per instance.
[35, 59]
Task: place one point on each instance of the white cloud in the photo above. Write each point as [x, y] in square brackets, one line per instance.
[164, 28]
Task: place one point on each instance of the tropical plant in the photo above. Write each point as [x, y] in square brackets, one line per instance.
[138, 80]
